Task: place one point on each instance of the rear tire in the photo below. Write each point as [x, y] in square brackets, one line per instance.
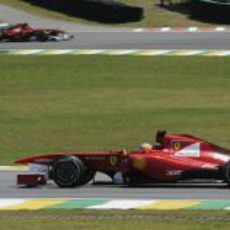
[1, 35]
[227, 173]
[42, 36]
[68, 172]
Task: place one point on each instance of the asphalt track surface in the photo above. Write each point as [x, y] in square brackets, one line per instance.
[132, 40]
[104, 189]
[99, 37]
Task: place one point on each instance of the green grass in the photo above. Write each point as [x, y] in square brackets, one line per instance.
[110, 224]
[154, 16]
[50, 104]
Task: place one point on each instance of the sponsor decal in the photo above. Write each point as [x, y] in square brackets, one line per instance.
[174, 172]
[165, 150]
[113, 160]
[221, 157]
[192, 150]
[43, 160]
[39, 169]
[210, 166]
[95, 158]
[139, 163]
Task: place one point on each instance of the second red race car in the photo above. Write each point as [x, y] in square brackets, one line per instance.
[175, 158]
[23, 32]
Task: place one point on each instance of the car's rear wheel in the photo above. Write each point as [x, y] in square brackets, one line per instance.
[227, 173]
[42, 36]
[68, 171]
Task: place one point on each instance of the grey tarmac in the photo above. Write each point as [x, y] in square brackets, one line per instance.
[104, 189]
[132, 40]
[104, 37]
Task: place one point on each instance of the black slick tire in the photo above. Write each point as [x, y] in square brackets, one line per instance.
[67, 171]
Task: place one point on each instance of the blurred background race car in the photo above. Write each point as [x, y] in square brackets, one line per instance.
[23, 32]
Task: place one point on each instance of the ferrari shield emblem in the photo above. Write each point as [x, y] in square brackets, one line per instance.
[113, 160]
[177, 146]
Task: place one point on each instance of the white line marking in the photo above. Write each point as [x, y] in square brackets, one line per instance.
[123, 204]
[120, 52]
[220, 29]
[90, 51]
[13, 168]
[4, 24]
[5, 203]
[192, 29]
[224, 53]
[165, 29]
[139, 30]
[58, 51]
[31, 52]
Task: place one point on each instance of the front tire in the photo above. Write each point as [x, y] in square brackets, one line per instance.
[68, 171]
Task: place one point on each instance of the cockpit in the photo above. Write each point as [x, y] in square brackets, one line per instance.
[146, 146]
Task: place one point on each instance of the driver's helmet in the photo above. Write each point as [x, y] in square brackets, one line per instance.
[23, 25]
[146, 146]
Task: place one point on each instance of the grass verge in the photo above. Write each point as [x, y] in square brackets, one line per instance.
[61, 222]
[59, 103]
[176, 15]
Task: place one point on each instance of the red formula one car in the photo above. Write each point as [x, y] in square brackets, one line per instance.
[23, 32]
[175, 158]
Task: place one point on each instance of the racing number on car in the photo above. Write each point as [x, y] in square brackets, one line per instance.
[113, 160]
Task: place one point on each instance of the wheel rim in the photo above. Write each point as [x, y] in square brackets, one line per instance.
[67, 173]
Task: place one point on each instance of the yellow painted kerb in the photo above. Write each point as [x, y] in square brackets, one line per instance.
[170, 205]
[34, 204]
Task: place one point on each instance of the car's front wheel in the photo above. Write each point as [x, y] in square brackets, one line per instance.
[67, 171]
